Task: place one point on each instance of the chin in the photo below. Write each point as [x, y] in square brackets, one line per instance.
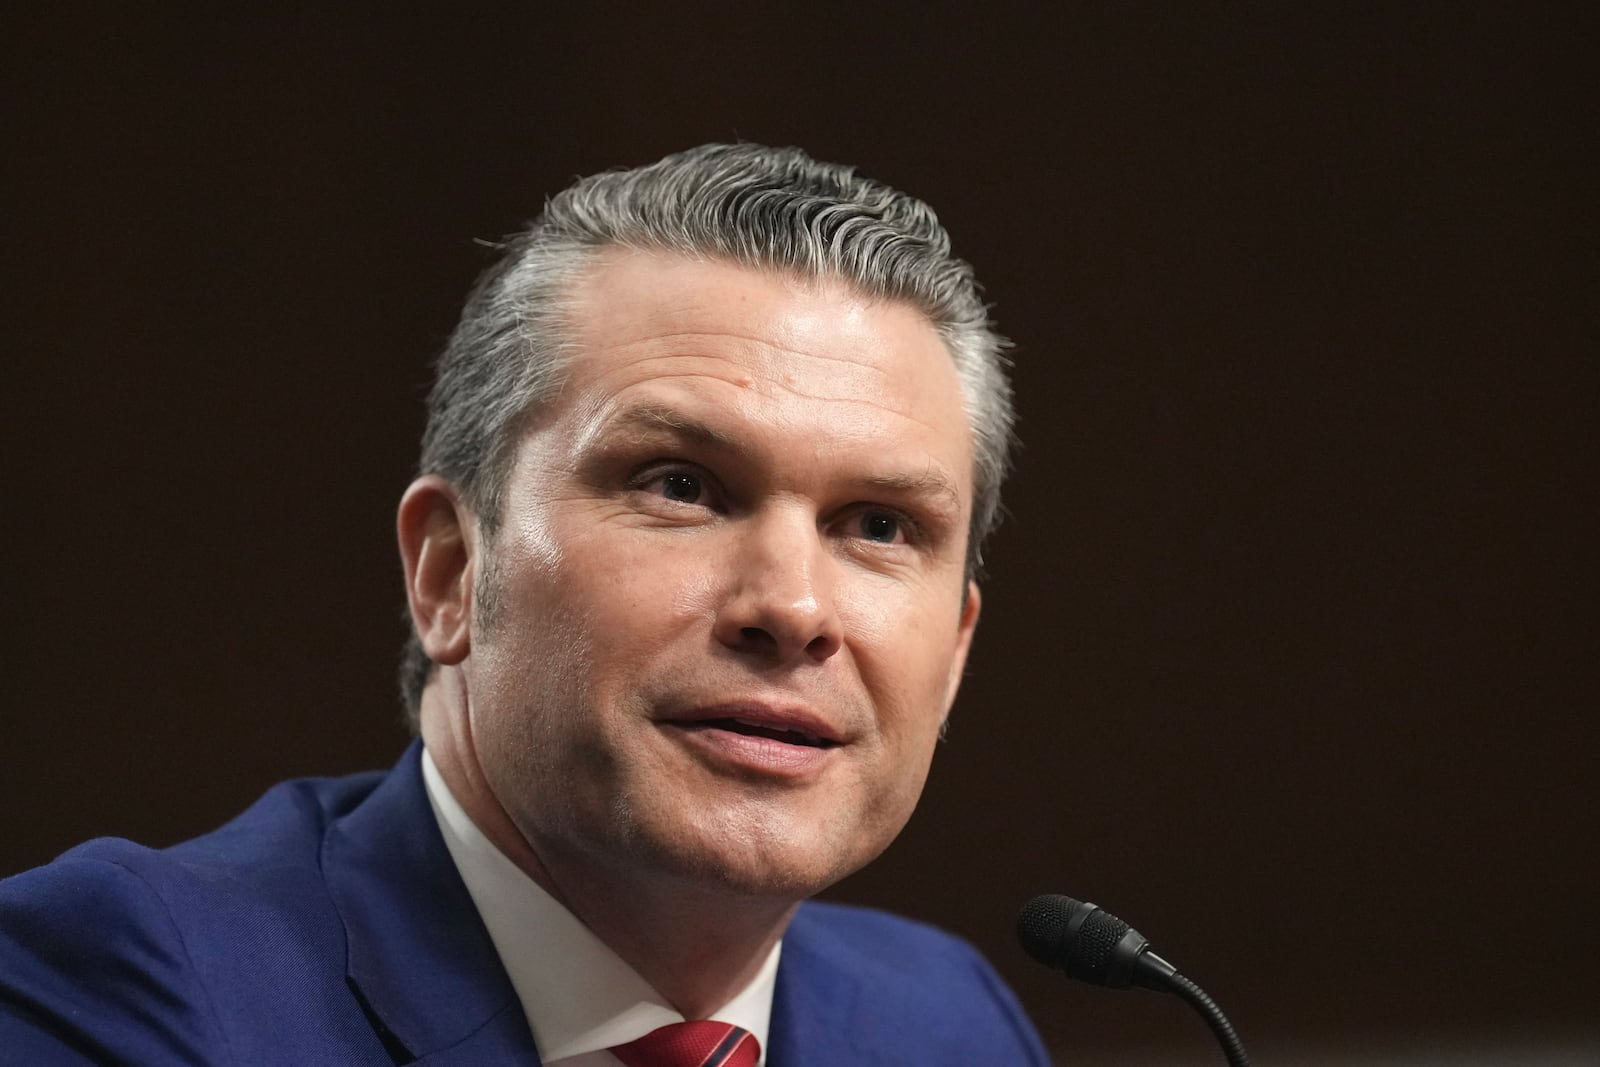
[782, 879]
[780, 859]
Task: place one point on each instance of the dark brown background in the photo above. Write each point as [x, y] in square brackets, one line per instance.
[1288, 654]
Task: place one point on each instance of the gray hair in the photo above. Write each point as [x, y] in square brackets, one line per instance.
[768, 208]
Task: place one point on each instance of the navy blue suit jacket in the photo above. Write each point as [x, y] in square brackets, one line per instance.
[328, 925]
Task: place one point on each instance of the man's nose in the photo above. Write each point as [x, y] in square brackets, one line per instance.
[780, 598]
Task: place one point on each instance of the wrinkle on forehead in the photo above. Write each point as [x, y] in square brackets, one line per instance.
[758, 368]
[757, 341]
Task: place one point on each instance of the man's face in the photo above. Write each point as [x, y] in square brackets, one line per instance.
[727, 613]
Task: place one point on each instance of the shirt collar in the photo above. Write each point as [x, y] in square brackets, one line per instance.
[578, 995]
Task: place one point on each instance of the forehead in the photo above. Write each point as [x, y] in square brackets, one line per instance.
[666, 323]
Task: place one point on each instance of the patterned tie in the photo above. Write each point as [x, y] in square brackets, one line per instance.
[702, 1043]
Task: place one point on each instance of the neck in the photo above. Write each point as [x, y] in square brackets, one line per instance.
[698, 945]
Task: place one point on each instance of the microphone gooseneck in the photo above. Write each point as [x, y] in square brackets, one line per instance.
[1092, 945]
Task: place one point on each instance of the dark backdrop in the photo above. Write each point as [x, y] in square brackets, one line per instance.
[1288, 651]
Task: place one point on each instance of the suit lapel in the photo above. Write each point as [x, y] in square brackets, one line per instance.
[814, 1006]
[418, 955]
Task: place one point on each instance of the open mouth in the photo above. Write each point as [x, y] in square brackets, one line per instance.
[756, 729]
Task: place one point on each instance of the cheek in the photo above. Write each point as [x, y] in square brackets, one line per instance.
[626, 606]
[695, 593]
[895, 790]
[534, 649]
[905, 642]
[649, 583]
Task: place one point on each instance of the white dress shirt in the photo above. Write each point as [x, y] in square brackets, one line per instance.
[580, 998]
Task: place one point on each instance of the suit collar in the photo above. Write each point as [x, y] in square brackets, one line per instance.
[418, 955]
[842, 999]
[816, 1005]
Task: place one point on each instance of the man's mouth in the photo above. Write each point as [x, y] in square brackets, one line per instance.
[787, 735]
[779, 741]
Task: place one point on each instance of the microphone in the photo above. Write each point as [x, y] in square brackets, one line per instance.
[1089, 944]
[1095, 946]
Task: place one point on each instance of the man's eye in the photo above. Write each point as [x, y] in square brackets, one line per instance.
[882, 527]
[682, 487]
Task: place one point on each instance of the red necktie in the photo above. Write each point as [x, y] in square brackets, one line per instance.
[702, 1043]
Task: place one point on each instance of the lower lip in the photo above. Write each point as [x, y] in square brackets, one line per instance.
[761, 754]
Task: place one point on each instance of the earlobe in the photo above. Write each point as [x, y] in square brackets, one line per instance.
[436, 537]
[970, 607]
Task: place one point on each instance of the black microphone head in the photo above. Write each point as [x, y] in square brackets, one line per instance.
[1043, 925]
[1077, 938]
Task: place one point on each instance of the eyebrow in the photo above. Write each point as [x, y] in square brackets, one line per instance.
[646, 417]
[660, 417]
[930, 482]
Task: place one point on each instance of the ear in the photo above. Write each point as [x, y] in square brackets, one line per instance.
[437, 533]
[958, 663]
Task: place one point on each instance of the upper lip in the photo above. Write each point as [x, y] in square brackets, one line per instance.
[793, 718]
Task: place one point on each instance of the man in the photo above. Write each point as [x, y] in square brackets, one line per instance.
[691, 569]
